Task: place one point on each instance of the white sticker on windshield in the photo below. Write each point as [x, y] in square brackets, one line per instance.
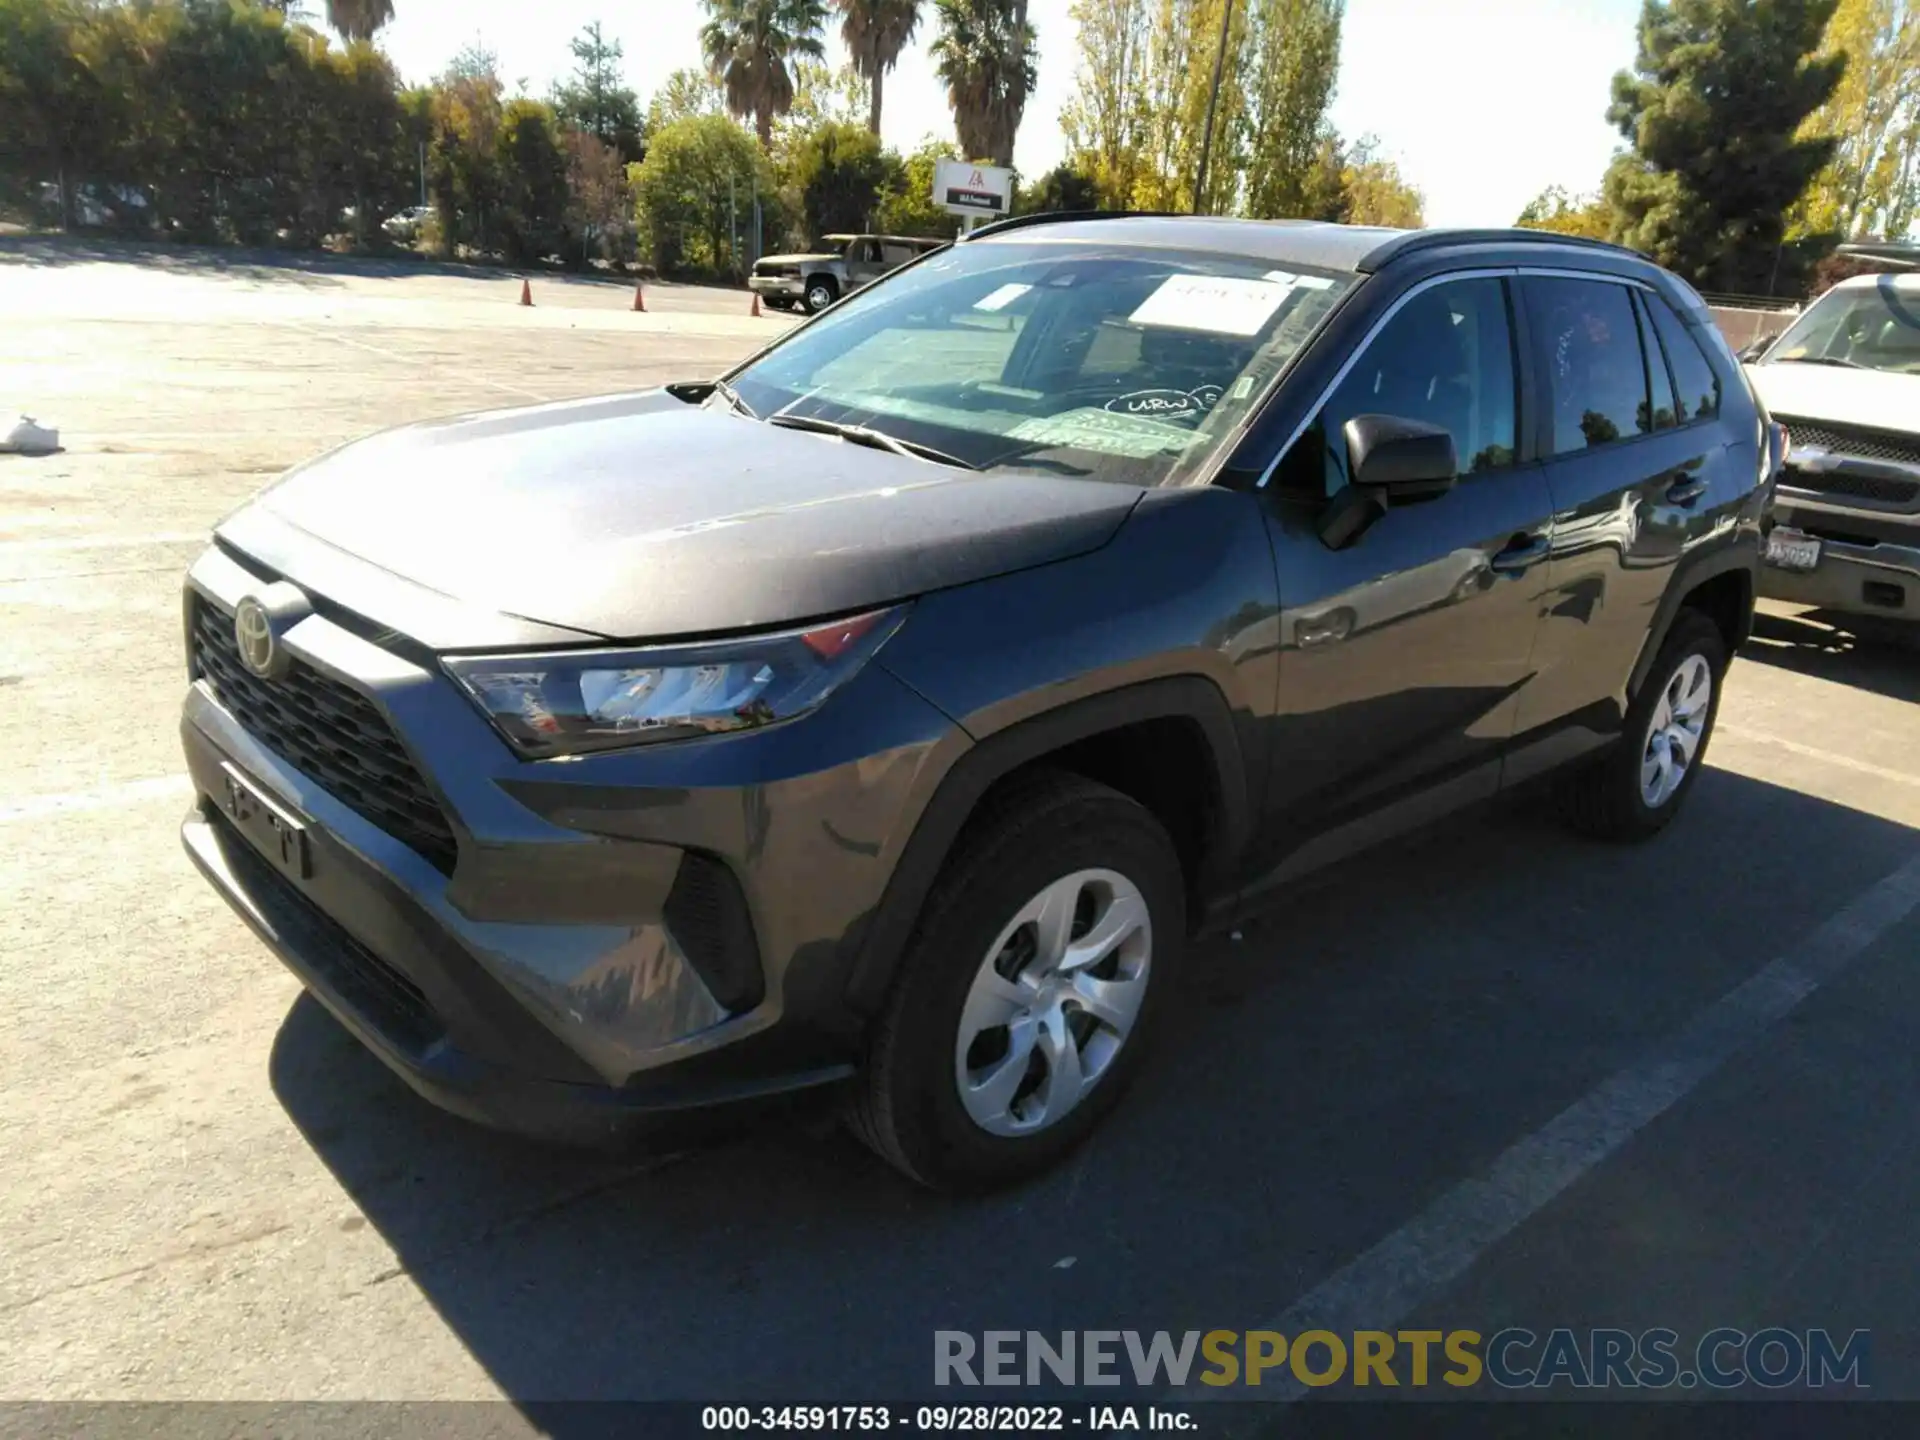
[1313, 282]
[1280, 277]
[1001, 298]
[1219, 304]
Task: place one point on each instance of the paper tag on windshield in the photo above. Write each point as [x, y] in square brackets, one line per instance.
[1280, 277]
[1001, 298]
[1313, 282]
[1219, 304]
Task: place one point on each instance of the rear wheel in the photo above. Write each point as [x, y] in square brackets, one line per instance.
[1640, 785]
[1031, 989]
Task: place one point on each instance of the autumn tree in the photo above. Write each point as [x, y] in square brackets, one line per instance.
[1296, 62]
[1583, 215]
[1104, 123]
[1871, 186]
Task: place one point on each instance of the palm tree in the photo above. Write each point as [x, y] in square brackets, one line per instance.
[986, 56]
[358, 19]
[748, 44]
[876, 31]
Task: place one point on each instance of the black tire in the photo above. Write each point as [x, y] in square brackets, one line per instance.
[821, 292]
[908, 1107]
[1604, 800]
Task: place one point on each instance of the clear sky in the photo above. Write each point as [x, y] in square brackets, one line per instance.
[1482, 102]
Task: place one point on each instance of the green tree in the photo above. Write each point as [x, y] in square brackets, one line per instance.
[1175, 86]
[695, 183]
[594, 99]
[1713, 110]
[875, 32]
[838, 170]
[821, 96]
[749, 45]
[1871, 186]
[358, 19]
[1553, 209]
[987, 57]
[683, 95]
[1104, 123]
[48, 97]
[906, 202]
[1296, 61]
[463, 170]
[532, 166]
[1069, 186]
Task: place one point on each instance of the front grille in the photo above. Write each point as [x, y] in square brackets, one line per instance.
[330, 733]
[375, 989]
[1853, 440]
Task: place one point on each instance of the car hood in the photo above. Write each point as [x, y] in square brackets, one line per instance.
[640, 517]
[1875, 398]
[813, 256]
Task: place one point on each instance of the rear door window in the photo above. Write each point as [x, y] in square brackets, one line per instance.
[1588, 352]
[1697, 387]
[1664, 415]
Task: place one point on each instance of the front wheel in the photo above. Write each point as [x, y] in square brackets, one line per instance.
[821, 293]
[1028, 996]
[1640, 785]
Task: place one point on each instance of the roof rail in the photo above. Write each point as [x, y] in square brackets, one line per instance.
[1055, 217]
[1413, 240]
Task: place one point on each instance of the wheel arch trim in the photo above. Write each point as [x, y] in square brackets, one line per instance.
[880, 947]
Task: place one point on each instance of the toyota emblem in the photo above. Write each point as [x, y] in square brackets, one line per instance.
[253, 634]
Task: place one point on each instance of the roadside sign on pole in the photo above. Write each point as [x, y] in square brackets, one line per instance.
[978, 190]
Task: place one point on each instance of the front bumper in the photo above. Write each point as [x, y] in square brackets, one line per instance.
[539, 978]
[784, 287]
[1868, 565]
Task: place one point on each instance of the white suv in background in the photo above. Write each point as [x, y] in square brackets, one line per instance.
[1845, 381]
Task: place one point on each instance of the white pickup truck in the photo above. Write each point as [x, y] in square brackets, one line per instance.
[1845, 381]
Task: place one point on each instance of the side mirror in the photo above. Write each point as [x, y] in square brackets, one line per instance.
[1755, 349]
[1390, 461]
[1403, 460]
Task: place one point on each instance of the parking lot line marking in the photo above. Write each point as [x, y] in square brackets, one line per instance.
[399, 359]
[107, 542]
[35, 807]
[1814, 752]
[1416, 1263]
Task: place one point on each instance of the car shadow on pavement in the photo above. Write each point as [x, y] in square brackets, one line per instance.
[314, 268]
[1865, 651]
[1326, 1072]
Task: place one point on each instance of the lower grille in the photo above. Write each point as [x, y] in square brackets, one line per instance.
[1883, 488]
[330, 733]
[375, 989]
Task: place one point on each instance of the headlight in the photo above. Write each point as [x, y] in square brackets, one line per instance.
[569, 702]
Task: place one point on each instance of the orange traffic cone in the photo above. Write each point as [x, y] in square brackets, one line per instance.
[639, 300]
[526, 293]
[756, 302]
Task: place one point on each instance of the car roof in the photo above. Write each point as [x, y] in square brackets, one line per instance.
[895, 239]
[1360, 249]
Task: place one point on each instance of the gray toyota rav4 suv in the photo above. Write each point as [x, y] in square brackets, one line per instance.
[889, 714]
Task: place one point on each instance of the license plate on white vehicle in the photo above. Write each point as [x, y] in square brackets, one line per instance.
[1792, 550]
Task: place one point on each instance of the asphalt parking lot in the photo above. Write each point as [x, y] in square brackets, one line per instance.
[1360, 1116]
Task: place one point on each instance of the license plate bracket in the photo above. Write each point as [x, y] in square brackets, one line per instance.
[1792, 549]
[273, 830]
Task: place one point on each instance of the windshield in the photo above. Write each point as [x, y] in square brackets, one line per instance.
[1876, 329]
[1125, 364]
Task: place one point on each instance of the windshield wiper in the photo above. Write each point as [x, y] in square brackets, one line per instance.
[732, 396]
[874, 439]
[1821, 360]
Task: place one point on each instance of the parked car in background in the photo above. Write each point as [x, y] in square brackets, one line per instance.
[815, 280]
[406, 226]
[887, 714]
[1845, 381]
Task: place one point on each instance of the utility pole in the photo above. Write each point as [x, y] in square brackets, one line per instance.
[1213, 102]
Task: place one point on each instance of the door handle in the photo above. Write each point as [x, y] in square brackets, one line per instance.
[1685, 489]
[1523, 552]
